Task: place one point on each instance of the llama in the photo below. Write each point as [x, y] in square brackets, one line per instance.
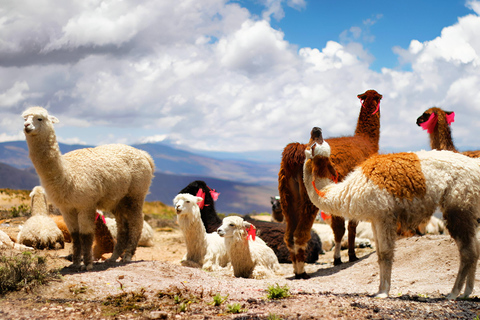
[204, 250]
[271, 232]
[437, 123]
[347, 152]
[402, 189]
[249, 257]
[40, 231]
[277, 215]
[111, 177]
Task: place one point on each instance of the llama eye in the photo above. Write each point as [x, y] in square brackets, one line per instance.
[40, 119]
[231, 225]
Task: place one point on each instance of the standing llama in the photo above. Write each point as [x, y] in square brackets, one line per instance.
[347, 152]
[402, 189]
[112, 177]
[437, 123]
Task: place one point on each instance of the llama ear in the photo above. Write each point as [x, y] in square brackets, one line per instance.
[199, 199]
[53, 119]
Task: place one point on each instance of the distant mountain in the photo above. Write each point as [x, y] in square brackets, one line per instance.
[168, 160]
[244, 185]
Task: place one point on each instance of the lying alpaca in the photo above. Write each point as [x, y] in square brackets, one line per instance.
[7, 243]
[104, 241]
[437, 123]
[146, 238]
[249, 257]
[112, 177]
[271, 232]
[204, 250]
[347, 152]
[402, 189]
[40, 231]
[277, 215]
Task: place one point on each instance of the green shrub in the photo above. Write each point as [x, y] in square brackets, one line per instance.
[277, 292]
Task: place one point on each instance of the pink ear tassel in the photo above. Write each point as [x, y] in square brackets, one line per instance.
[252, 231]
[201, 194]
[450, 117]
[430, 124]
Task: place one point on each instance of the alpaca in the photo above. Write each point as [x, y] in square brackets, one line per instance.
[402, 189]
[271, 232]
[62, 226]
[347, 152]
[437, 123]
[40, 231]
[204, 250]
[7, 243]
[249, 257]
[207, 207]
[363, 239]
[111, 177]
[104, 241]
[277, 215]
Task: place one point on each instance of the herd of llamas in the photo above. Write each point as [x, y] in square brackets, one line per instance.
[344, 178]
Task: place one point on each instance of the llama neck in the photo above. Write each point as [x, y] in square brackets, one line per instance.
[324, 202]
[46, 158]
[195, 237]
[368, 124]
[39, 205]
[240, 255]
[441, 137]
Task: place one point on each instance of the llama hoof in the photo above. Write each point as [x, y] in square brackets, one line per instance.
[74, 266]
[337, 261]
[352, 258]
[382, 295]
[302, 276]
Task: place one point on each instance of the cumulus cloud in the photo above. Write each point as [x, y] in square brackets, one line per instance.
[213, 76]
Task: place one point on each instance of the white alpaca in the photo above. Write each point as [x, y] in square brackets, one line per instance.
[250, 258]
[403, 189]
[204, 250]
[7, 243]
[40, 231]
[112, 177]
[146, 238]
[364, 236]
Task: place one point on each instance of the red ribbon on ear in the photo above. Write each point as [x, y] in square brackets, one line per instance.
[325, 216]
[214, 194]
[201, 194]
[450, 117]
[376, 110]
[430, 124]
[103, 218]
[251, 232]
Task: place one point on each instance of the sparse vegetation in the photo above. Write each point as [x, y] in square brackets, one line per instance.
[218, 299]
[127, 301]
[235, 308]
[23, 271]
[278, 292]
[272, 316]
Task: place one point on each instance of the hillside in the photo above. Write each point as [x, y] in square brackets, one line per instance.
[245, 186]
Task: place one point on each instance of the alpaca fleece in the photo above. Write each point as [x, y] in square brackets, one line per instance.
[433, 179]
[113, 178]
[346, 153]
[40, 231]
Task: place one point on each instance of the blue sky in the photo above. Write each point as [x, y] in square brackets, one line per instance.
[239, 75]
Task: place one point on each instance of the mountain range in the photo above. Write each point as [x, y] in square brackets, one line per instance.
[245, 186]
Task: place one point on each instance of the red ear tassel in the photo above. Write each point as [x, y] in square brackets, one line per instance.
[251, 232]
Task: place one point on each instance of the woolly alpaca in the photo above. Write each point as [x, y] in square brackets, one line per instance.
[146, 238]
[271, 232]
[111, 177]
[277, 215]
[437, 122]
[207, 207]
[40, 231]
[104, 241]
[347, 152]
[62, 226]
[7, 243]
[205, 250]
[402, 189]
[249, 257]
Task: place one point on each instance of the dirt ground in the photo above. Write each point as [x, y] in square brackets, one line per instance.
[156, 286]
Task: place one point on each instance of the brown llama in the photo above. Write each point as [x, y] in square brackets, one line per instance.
[437, 123]
[347, 152]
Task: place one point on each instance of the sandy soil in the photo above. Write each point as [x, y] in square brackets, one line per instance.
[156, 286]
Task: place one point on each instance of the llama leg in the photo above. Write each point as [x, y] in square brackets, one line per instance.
[71, 220]
[385, 243]
[352, 233]
[301, 237]
[338, 227]
[86, 224]
[462, 226]
[135, 226]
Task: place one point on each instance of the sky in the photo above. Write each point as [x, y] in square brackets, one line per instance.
[240, 75]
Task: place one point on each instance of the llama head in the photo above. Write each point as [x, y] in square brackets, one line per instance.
[370, 100]
[185, 204]
[318, 153]
[429, 119]
[235, 227]
[37, 121]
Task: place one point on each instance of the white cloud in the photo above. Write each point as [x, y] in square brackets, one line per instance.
[211, 75]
